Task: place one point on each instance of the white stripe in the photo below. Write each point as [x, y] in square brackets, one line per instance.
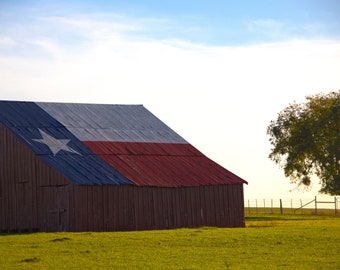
[120, 123]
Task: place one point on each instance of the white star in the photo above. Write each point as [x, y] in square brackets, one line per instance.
[54, 144]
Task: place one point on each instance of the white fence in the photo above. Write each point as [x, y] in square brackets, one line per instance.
[291, 205]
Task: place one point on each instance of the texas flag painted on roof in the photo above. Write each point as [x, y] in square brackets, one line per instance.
[96, 144]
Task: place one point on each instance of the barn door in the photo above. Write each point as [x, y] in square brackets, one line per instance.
[23, 209]
[63, 207]
[56, 214]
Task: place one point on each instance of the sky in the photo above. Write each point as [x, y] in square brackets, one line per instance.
[217, 72]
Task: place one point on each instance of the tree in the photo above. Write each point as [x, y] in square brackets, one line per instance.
[306, 141]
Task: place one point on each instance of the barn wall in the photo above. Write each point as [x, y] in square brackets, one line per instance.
[116, 208]
[18, 190]
[33, 197]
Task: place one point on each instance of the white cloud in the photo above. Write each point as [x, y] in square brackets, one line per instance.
[221, 99]
[6, 41]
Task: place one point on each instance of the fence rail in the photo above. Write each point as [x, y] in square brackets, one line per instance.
[292, 205]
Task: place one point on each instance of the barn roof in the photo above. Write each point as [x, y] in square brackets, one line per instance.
[95, 144]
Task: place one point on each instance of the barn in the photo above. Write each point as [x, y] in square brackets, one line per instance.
[100, 167]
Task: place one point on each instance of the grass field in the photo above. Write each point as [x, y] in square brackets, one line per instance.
[269, 241]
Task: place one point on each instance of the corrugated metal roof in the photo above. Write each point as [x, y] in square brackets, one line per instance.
[164, 165]
[111, 144]
[122, 123]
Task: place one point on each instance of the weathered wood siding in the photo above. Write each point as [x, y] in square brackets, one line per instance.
[117, 208]
[30, 191]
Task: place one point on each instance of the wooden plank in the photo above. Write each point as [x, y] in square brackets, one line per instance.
[116, 208]
[122, 209]
[105, 208]
[81, 208]
[112, 220]
[96, 211]
[140, 209]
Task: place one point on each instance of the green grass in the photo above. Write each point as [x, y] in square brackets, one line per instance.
[269, 241]
[289, 211]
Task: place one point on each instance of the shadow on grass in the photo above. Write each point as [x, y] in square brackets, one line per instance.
[277, 218]
[60, 239]
[288, 217]
[260, 218]
[30, 260]
[18, 231]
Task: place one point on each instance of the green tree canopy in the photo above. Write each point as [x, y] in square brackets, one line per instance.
[306, 141]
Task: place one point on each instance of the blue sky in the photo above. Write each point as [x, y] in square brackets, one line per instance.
[215, 71]
[209, 22]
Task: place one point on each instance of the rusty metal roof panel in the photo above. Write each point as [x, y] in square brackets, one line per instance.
[167, 165]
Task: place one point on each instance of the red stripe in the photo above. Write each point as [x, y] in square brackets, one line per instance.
[163, 165]
[144, 149]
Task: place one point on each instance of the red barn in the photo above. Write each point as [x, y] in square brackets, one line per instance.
[91, 167]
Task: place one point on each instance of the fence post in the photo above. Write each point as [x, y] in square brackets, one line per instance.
[264, 205]
[335, 205]
[281, 210]
[271, 206]
[291, 205]
[316, 206]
